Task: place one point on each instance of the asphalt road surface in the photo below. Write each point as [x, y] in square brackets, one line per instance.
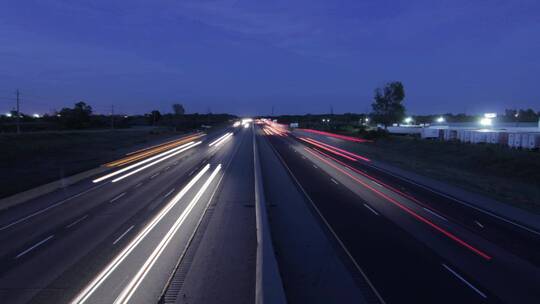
[119, 236]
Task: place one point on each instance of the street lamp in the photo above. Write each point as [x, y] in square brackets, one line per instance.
[440, 119]
[408, 120]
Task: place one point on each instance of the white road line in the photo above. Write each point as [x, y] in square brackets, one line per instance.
[167, 168]
[117, 197]
[483, 295]
[479, 224]
[371, 209]
[436, 214]
[152, 177]
[191, 173]
[130, 289]
[168, 193]
[138, 185]
[87, 292]
[33, 247]
[50, 207]
[333, 180]
[315, 167]
[123, 234]
[77, 221]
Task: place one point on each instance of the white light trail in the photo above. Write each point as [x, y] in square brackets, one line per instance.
[155, 162]
[130, 289]
[222, 140]
[85, 294]
[97, 180]
[219, 139]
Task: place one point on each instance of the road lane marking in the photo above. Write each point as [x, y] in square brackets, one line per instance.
[123, 234]
[406, 209]
[483, 295]
[371, 209]
[77, 221]
[479, 224]
[50, 207]
[374, 182]
[152, 177]
[156, 162]
[168, 193]
[117, 197]
[315, 167]
[33, 247]
[333, 180]
[138, 185]
[130, 289]
[89, 289]
[167, 168]
[340, 242]
[435, 214]
[164, 155]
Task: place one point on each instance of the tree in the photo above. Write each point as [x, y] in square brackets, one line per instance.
[76, 118]
[155, 116]
[387, 106]
[178, 109]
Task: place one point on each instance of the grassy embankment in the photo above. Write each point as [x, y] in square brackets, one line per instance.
[510, 176]
[30, 160]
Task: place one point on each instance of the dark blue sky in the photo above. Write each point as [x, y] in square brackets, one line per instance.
[245, 56]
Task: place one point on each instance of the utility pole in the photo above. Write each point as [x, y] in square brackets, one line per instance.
[112, 117]
[17, 118]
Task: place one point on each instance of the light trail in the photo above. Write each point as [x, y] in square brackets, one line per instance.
[87, 292]
[220, 140]
[344, 137]
[155, 162]
[130, 289]
[338, 149]
[143, 153]
[407, 209]
[97, 180]
[328, 149]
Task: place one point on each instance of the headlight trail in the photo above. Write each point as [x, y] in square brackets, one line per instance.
[130, 289]
[155, 162]
[142, 153]
[219, 140]
[97, 180]
[85, 294]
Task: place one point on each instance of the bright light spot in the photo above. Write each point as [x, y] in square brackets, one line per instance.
[486, 121]
[367, 119]
[36, 116]
[236, 124]
[490, 115]
[246, 125]
[408, 120]
[246, 120]
[440, 119]
[8, 114]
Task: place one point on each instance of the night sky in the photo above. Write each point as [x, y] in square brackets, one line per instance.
[244, 57]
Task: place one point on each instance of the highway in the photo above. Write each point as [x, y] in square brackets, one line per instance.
[177, 219]
[411, 250]
[117, 236]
